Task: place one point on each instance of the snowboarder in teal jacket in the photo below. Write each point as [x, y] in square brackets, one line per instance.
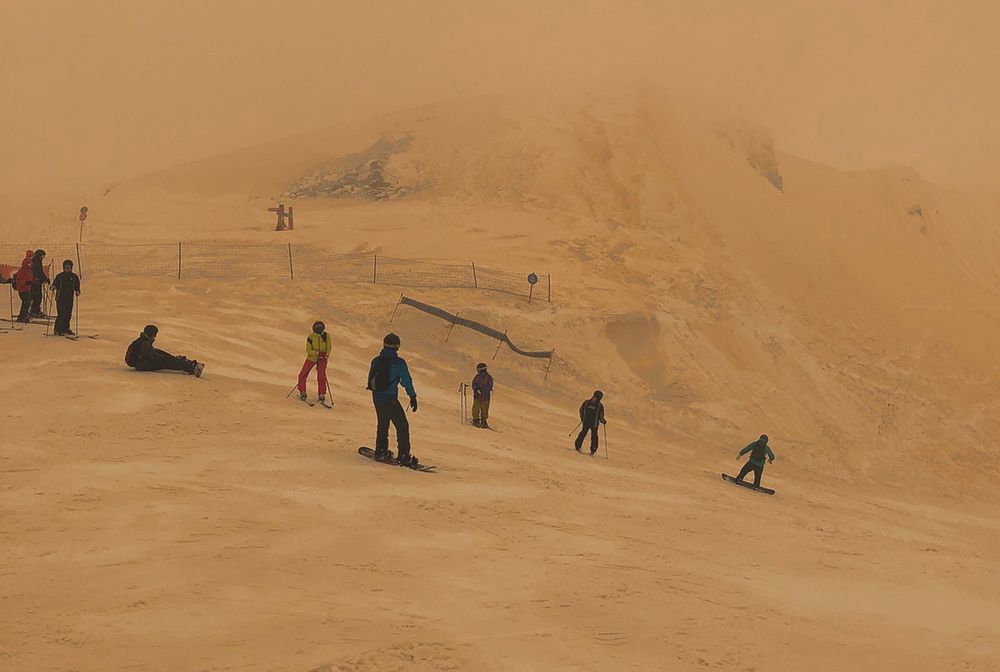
[388, 371]
[758, 451]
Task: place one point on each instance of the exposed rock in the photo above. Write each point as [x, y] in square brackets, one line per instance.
[367, 175]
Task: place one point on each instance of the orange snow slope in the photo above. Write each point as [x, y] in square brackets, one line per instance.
[162, 522]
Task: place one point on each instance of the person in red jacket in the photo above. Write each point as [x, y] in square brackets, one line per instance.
[22, 285]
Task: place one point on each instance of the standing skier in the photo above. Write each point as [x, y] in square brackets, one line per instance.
[758, 451]
[22, 285]
[317, 354]
[591, 418]
[482, 390]
[385, 375]
[38, 278]
[142, 356]
[66, 287]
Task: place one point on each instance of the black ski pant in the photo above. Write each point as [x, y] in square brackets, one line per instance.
[593, 439]
[25, 306]
[164, 361]
[757, 469]
[64, 313]
[391, 412]
[36, 299]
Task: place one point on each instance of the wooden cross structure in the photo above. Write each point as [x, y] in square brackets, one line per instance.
[286, 220]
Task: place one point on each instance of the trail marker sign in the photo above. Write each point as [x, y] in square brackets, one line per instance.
[285, 218]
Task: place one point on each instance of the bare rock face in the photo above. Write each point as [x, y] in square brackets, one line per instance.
[379, 173]
[758, 148]
[761, 158]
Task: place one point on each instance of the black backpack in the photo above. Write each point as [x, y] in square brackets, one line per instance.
[381, 378]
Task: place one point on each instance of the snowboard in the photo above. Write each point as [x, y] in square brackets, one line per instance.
[748, 486]
[364, 451]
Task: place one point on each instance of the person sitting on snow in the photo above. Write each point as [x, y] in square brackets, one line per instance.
[142, 356]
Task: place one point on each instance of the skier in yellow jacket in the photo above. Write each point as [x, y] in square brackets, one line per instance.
[317, 353]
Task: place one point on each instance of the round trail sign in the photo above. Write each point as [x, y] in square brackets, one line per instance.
[83, 213]
[532, 279]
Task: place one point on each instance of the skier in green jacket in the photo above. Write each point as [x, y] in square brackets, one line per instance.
[758, 451]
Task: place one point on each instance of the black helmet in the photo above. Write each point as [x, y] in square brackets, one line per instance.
[150, 330]
[318, 327]
[763, 437]
[67, 262]
[39, 253]
[391, 341]
[481, 366]
[598, 394]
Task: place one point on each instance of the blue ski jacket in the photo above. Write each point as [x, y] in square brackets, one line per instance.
[399, 374]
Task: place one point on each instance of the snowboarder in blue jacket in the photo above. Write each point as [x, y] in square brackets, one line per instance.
[387, 372]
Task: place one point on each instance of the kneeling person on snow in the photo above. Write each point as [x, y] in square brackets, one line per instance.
[387, 372]
[317, 354]
[482, 390]
[142, 356]
[591, 418]
[758, 451]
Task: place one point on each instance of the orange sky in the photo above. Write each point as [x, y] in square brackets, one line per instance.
[104, 90]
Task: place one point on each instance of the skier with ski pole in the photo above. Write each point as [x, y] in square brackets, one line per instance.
[318, 345]
[591, 417]
[66, 287]
[22, 285]
[482, 390]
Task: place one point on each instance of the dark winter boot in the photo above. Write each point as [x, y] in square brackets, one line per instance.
[476, 422]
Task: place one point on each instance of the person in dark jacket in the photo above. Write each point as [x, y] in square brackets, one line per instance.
[758, 451]
[387, 372]
[591, 418]
[22, 285]
[482, 390]
[66, 287]
[38, 278]
[142, 356]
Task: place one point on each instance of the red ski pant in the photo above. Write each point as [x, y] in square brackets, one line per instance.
[320, 374]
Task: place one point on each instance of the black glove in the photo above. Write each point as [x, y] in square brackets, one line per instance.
[413, 404]
[604, 422]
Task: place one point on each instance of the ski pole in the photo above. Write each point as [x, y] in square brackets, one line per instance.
[605, 441]
[45, 309]
[575, 428]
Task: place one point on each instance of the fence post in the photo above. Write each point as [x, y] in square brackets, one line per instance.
[79, 266]
[550, 288]
[291, 270]
[393, 316]
[475, 278]
[375, 270]
[499, 345]
[450, 329]
[178, 261]
[551, 357]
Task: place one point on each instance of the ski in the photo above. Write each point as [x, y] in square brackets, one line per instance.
[324, 404]
[308, 403]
